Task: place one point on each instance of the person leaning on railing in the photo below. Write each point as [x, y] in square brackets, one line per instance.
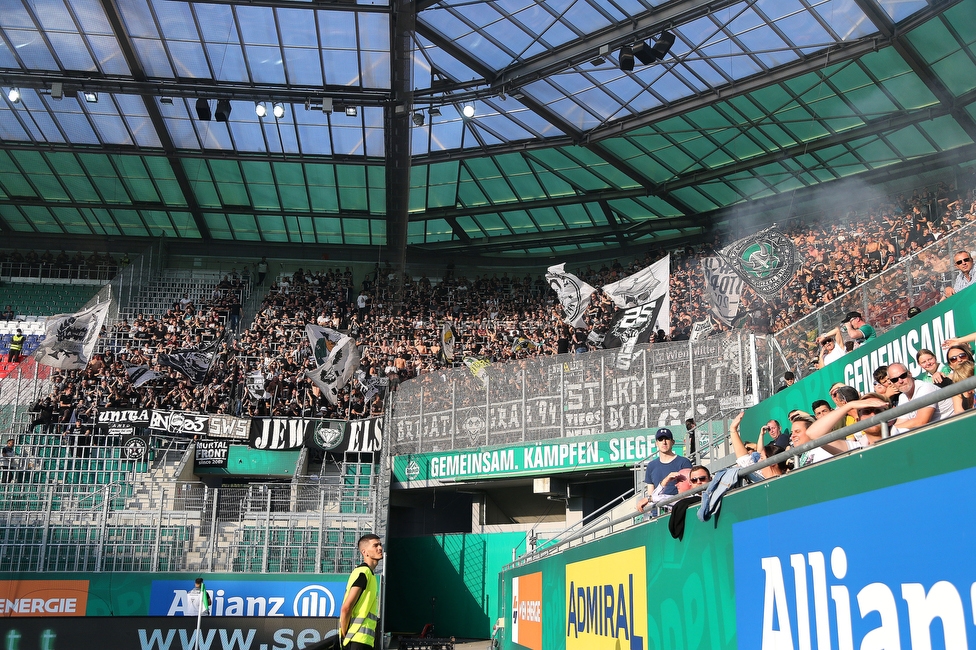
[745, 458]
[870, 404]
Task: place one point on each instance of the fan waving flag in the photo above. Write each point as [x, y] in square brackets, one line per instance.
[338, 369]
[194, 362]
[574, 294]
[70, 339]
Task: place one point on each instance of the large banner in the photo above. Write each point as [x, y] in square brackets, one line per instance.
[538, 458]
[766, 261]
[211, 453]
[121, 422]
[573, 293]
[566, 396]
[283, 434]
[69, 339]
[723, 288]
[955, 316]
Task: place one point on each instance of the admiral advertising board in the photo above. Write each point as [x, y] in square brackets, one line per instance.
[868, 551]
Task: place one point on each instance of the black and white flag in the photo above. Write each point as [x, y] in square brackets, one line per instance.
[194, 362]
[323, 340]
[338, 369]
[365, 435]
[255, 385]
[69, 339]
[723, 288]
[630, 327]
[140, 375]
[647, 285]
[701, 329]
[447, 342]
[573, 293]
[766, 261]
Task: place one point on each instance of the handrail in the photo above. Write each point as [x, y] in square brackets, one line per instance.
[833, 436]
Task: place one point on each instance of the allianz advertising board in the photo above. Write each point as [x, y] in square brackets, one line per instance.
[887, 569]
[251, 598]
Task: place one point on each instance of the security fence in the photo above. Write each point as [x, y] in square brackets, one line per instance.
[564, 396]
[916, 281]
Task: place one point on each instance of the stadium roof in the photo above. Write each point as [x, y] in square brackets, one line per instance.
[564, 153]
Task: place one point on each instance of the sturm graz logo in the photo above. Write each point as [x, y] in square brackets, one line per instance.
[761, 259]
[135, 448]
[327, 436]
[412, 471]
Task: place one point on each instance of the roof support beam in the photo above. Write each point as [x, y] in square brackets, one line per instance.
[398, 133]
[135, 65]
[609, 234]
[905, 49]
[189, 88]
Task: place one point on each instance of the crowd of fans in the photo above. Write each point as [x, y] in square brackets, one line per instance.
[398, 321]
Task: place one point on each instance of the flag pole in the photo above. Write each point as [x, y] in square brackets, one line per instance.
[203, 599]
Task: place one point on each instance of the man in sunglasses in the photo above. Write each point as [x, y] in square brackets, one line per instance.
[912, 390]
[859, 409]
[964, 263]
[831, 347]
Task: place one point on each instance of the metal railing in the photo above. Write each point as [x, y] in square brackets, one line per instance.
[599, 528]
[884, 300]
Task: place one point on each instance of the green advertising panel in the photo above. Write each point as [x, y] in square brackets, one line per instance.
[826, 556]
[526, 459]
[951, 318]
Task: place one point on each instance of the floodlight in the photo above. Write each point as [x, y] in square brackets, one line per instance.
[260, 109]
[351, 111]
[57, 90]
[434, 111]
[278, 110]
[13, 95]
[91, 97]
[203, 110]
[626, 58]
[663, 45]
[222, 114]
[166, 100]
[418, 119]
[468, 110]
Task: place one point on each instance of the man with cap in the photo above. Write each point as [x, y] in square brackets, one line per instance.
[660, 468]
[857, 329]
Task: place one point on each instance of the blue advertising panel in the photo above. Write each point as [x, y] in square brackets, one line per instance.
[251, 598]
[877, 571]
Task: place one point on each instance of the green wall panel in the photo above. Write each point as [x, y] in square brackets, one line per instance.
[448, 580]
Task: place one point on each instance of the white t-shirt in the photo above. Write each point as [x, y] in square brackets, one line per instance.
[834, 354]
[921, 389]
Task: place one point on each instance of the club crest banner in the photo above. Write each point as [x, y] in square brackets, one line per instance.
[766, 261]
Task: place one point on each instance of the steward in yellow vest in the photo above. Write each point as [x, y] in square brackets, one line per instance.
[361, 607]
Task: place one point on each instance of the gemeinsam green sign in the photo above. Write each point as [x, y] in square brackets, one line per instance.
[522, 459]
[951, 318]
